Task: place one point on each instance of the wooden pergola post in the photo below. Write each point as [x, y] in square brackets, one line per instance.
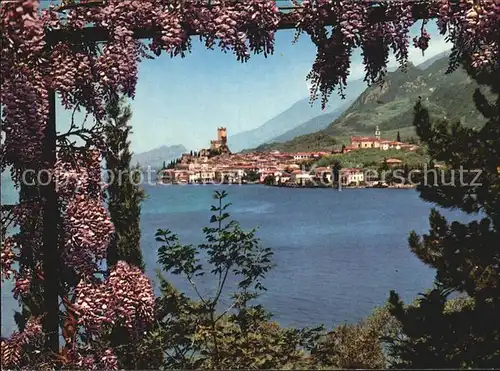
[50, 238]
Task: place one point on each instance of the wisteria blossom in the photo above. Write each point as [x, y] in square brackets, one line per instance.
[126, 297]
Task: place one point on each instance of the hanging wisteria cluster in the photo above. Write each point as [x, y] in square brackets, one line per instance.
[125, 297]
[12, 349]
[86, 74]
[86, 228]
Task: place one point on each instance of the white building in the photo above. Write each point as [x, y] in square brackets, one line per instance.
[300, 156]
[352, 175]
[194, 177]
[207, 176]
[301, 177]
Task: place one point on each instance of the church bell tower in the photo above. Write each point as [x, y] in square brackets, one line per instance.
[377, 133]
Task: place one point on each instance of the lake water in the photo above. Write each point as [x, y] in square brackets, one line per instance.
[338, 254]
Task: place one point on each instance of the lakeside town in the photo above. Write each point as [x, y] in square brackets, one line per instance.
[217, 164]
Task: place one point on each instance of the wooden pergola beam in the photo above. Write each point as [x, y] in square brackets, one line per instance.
[420, 10]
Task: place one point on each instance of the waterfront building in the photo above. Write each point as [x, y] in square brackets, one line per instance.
[352, 176]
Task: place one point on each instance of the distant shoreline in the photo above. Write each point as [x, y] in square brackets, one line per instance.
[343, 187]
[294, 186]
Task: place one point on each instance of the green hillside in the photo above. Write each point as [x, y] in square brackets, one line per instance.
[390, 106]
[373, 158]
[303, 143]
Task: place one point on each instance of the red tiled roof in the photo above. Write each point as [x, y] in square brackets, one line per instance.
[364, 139]
[350, 170]
[323, 168]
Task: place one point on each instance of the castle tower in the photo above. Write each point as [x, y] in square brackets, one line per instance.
[377, 133]
[222, 135]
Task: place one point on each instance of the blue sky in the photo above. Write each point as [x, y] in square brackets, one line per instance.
[183, 100]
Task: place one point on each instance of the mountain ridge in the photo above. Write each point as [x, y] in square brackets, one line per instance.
[315, 124]
[156, 156]
[390, 105]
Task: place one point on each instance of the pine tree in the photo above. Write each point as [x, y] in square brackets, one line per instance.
[398, 138]
[466, 257]
[124, 195]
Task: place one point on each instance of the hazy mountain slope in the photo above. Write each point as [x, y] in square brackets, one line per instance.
[289, 119]
[425, 64]
[311, 126]
[156, 156]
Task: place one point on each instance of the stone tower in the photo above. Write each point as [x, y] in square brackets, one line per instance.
[377, 133]
[222, 135]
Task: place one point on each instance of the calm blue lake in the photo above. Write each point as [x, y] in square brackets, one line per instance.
[338, 254]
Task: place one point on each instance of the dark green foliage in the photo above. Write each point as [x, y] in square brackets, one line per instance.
[336, 168]
[384, 166]
[123, 193]
[171, 165]
[319, 141]
[433, 331]
[251, 177]
[398, 137]
[357, 345]
[269, 180]
[466, 256]
[412, 140]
